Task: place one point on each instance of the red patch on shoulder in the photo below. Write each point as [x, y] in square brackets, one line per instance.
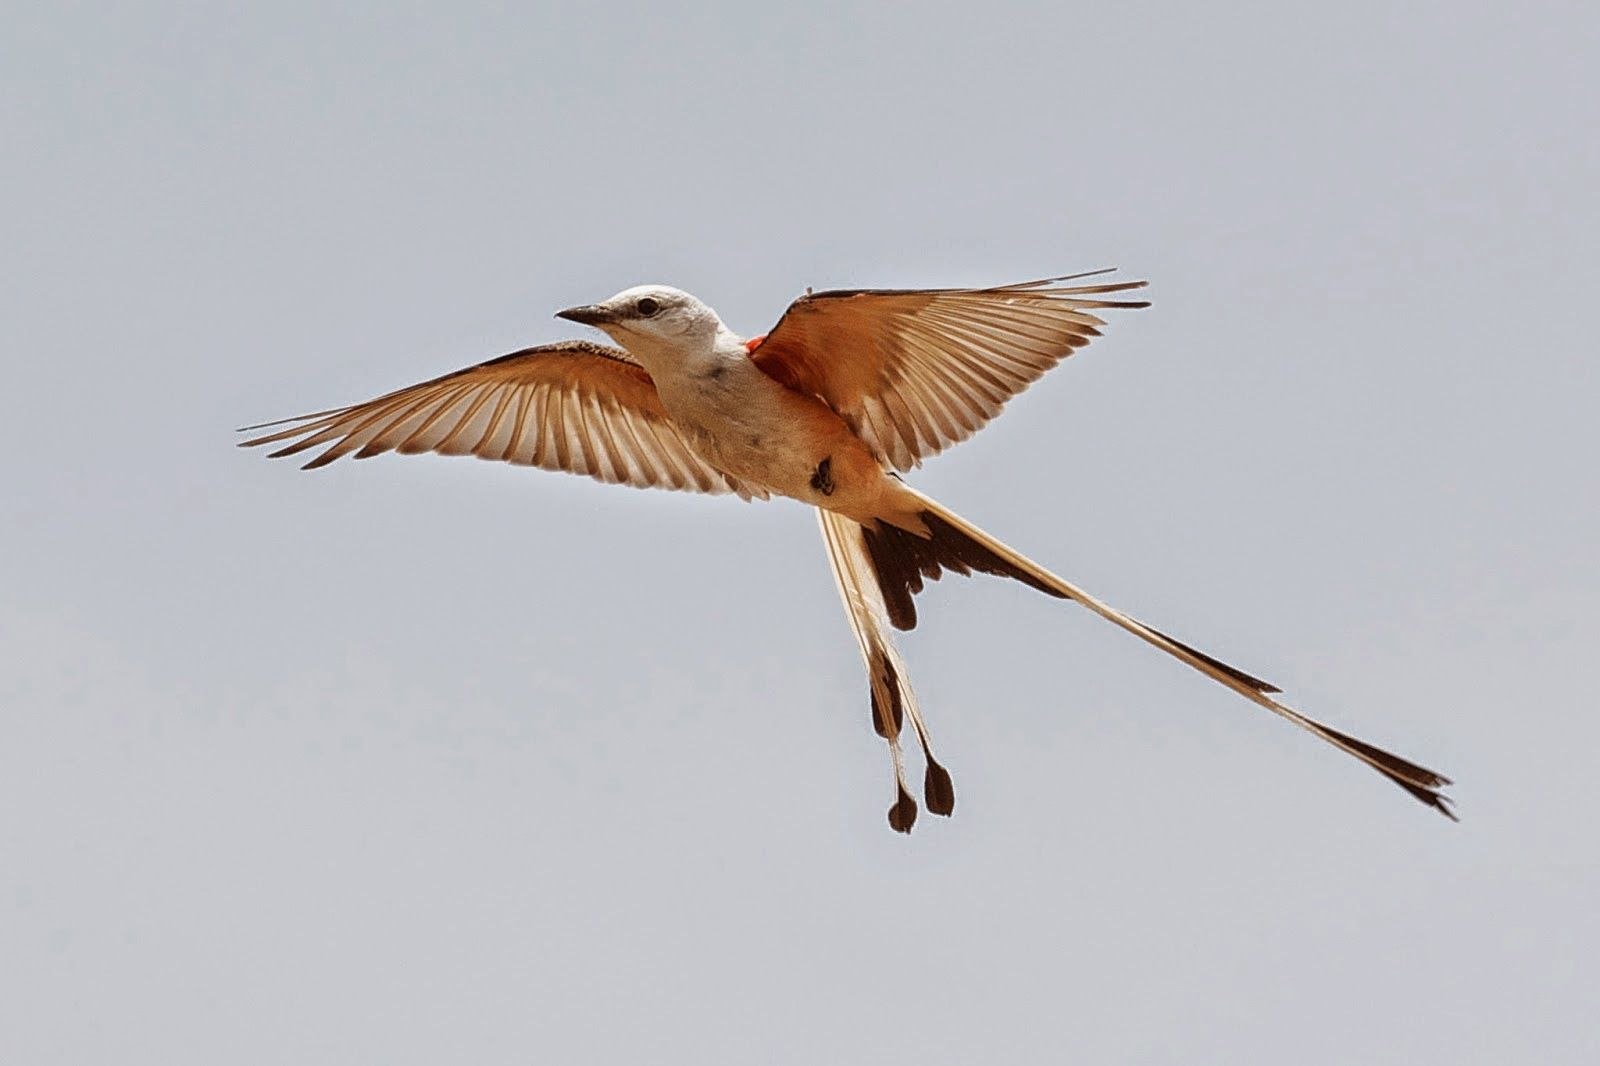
[753, 343]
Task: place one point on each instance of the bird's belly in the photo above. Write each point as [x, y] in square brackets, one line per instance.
[764, 453]
[756, 430]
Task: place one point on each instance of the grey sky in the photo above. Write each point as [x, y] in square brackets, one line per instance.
[426, 760]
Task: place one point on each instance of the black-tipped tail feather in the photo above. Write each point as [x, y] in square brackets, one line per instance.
[902, 560]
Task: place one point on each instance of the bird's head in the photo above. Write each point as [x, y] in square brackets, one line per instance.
[651, 320]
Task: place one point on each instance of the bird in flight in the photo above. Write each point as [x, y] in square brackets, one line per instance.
[850, 389]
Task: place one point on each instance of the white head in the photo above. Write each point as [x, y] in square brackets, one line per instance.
[653, 321]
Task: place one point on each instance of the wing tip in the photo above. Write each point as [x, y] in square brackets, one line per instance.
[1053, 287]
[291, 419]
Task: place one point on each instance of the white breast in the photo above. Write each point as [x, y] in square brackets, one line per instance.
[733, 416]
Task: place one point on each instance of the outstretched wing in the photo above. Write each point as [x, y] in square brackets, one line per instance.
[574, 406]
[915, 371]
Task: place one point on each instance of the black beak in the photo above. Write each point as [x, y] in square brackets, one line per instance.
[588, 314]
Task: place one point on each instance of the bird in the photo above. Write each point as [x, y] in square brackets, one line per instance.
[832, 406]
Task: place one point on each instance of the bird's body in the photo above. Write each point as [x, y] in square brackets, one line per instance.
[745, 424]
[847, 389]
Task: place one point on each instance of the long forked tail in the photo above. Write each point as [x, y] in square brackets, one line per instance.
[900, 560]
[892, 698]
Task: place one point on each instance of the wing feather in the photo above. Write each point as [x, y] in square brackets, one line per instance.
[915, 371]
[574, 406]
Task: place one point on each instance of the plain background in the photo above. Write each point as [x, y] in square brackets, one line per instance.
[429, 760]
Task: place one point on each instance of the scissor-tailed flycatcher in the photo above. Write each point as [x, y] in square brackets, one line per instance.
[846, 389]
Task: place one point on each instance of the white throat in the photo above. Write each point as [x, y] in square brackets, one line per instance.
[693, 355]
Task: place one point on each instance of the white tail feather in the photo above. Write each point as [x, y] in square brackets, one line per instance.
[1419, 781]
[886, 672]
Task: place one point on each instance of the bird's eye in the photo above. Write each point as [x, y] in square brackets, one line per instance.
[647, 307]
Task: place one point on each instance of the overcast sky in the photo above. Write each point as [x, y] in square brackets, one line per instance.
[432, 760]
